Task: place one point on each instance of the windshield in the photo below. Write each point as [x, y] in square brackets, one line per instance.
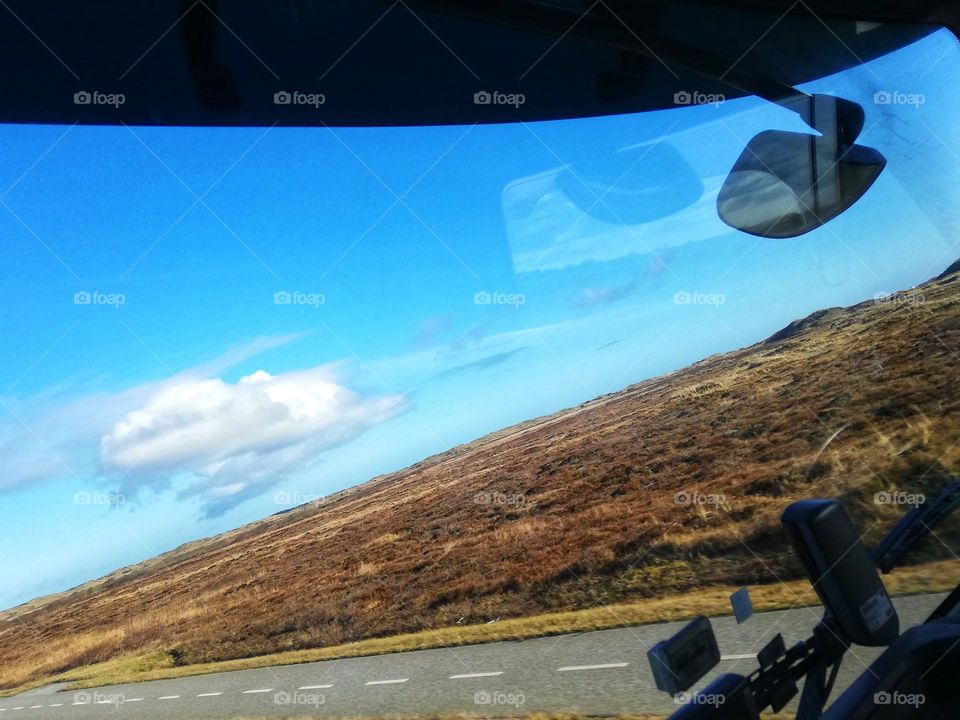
[573, 386]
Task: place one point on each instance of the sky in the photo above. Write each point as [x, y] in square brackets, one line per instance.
[206, 326]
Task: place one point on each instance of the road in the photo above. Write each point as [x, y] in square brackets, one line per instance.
[602, 672]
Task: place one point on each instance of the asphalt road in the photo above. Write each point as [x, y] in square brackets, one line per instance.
[603, 672]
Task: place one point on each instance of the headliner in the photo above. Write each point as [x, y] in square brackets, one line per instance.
[385, 62]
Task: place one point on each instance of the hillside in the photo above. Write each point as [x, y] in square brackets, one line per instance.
[667, 486]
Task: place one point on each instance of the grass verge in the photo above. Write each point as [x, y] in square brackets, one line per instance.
[160, 665]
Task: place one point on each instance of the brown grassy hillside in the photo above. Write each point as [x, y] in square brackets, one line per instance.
[575, 510]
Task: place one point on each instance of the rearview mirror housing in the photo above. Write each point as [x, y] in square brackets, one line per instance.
[785, 184]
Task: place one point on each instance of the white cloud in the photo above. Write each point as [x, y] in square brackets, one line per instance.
[238, 439]
[220, 442]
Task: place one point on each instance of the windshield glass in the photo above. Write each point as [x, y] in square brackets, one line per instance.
[204, 327]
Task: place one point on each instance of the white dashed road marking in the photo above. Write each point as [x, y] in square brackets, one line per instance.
[746, 656]
[606, 666]
[392, 681]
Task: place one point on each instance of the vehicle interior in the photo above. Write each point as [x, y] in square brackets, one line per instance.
[480, 358]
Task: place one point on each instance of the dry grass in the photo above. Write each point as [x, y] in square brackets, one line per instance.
[562, 514]
[932, 577]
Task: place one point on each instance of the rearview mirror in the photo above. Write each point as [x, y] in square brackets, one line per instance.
[785, 184]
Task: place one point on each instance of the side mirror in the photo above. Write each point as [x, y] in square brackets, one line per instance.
[841, 571]
[785, 184]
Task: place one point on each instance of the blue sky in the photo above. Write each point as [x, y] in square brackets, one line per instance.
[186, 398]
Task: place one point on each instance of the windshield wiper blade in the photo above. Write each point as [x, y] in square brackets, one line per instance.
[914, 526]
